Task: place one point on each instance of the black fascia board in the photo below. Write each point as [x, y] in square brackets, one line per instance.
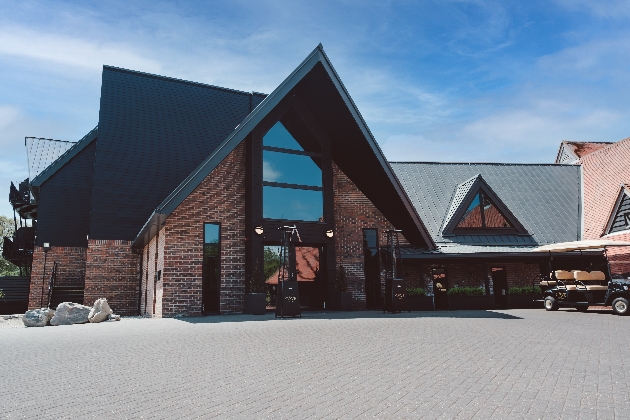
[44, 175]
[255, 117]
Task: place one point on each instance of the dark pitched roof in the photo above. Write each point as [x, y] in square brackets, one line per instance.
[153, 132]
[546, 199]
[62, 160]
[354, 148]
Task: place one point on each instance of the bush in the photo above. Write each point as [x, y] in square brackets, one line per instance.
[466, 291]
[1, 294]
[341, 279]
[525, 290]
[416, 291]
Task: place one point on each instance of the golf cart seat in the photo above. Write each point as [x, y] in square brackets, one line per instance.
[564, 276]
[591, 280]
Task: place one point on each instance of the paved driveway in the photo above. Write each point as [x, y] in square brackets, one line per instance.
[467, 364]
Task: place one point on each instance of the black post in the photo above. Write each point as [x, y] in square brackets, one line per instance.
[41, 300]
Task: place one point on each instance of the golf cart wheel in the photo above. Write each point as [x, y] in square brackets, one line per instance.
[581, 308]
[551, 304]
[620, 306]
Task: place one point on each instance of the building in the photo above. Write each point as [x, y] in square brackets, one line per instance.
[173, 203]
[606, 173]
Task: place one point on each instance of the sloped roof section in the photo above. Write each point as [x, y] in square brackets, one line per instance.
[462, 192]
[354, 148]
[545, 199]
[61, 160]
[619, 220]
[40, 153]
[571, 151]
[153, 132]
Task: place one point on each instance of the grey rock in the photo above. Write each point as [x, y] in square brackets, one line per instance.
[100, 312]
[38, 317]
[69, 313]
[113, 317]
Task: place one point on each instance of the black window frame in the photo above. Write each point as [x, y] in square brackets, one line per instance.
[217, 245]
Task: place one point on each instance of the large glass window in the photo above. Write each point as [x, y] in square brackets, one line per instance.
[292, 178]
[211, 272]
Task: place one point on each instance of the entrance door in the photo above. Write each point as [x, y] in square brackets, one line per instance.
[499, 284]
[440, 288]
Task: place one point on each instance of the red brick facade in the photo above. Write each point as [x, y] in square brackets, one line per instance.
[604, 171]
[353, 213]
[112, 272]
[71, 265]
[220, 198]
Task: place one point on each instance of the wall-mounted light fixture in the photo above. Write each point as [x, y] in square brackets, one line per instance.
[46, 246]
[259, 230]
[330, 233]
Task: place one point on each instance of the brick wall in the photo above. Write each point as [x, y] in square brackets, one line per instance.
[112, 272]
[220, 198]
[71, 264]
[354, 212]
[604, 171]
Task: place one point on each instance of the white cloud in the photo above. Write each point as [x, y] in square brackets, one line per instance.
[8, 115]
[71, 51]
[270, 173]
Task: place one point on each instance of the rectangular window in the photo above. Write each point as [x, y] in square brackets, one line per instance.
[292, 204]
[371, 269]
[211, 267]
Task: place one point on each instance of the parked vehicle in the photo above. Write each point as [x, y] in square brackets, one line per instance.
[581, 289]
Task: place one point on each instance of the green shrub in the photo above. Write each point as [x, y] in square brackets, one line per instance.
[466, 291]
[416, 291]
[1, 294]
[525, 290]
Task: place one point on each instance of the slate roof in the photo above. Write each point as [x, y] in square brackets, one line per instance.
[153, 132]
[546, 200]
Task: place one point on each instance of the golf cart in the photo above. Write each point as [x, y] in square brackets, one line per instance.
[583, 288]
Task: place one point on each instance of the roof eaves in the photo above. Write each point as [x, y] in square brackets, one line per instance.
[64, 158]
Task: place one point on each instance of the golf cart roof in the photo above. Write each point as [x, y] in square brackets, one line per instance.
[579, 245]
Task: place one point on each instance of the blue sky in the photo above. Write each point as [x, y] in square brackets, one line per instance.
[491, 81]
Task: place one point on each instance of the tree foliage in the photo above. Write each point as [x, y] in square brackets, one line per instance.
[7, 228]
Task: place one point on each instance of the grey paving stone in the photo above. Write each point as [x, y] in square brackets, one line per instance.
[466, 364]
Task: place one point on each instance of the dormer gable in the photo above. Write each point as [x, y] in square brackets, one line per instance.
[619, 219]
[477, 210]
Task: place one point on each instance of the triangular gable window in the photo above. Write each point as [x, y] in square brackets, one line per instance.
[483, 216]
[619, 220]
[477, 210]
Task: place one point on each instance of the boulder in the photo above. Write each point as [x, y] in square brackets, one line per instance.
[100, 312]
[69, 313]
[113, 317]
[38, 317]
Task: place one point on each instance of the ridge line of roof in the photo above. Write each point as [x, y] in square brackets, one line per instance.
[482, 163]
[174, 79]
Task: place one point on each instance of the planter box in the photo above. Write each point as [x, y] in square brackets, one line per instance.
[255, 303]
[420, 303]
[523, 302]
[342, 301]
[470, 302]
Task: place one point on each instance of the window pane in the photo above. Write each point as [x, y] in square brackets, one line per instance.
[211, 233]
[291, 169]
[292, 204]
[369, 238]
[494, 218]
[278, 136]
[306, 263]
[472, 217]
[271, 263]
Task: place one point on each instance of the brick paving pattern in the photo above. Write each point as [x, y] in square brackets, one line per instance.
[466, 364]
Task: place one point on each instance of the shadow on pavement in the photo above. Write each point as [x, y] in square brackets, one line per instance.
[212, 319]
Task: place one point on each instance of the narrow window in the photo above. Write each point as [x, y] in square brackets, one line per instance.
[371, 269]
[211, 271]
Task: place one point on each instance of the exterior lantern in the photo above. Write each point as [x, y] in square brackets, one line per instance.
[46, 246]
[329, 233]
[259, 230]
